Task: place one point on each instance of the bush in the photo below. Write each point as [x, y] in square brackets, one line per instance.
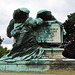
[3, 51]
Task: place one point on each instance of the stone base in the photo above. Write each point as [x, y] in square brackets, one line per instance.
[55, 61]
[54, 53]
[63, 64]
[39, 66]
[24, 66]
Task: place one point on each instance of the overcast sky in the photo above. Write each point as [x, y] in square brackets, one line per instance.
[59, 8]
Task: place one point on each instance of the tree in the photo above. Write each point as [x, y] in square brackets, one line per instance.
[1, 40]
[69, 39]
[3, 51]
[69, 26]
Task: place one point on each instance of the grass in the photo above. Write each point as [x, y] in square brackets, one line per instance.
[66, 72]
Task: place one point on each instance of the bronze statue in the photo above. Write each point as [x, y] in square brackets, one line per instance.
[45, 15]
[21, 28]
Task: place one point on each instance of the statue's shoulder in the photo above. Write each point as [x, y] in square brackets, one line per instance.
[12, 21]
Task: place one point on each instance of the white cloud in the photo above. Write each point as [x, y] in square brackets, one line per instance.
[9, 46]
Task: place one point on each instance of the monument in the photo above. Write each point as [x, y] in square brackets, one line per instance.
[36, 41]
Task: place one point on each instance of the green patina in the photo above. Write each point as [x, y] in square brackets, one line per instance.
[45, 34]
[29, 35]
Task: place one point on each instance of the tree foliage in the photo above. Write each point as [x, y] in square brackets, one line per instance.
[3, 51]
[69, 39]
[69, 26]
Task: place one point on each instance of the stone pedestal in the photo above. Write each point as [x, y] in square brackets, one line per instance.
[28, 66]
[39, 65]
[54, 53]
